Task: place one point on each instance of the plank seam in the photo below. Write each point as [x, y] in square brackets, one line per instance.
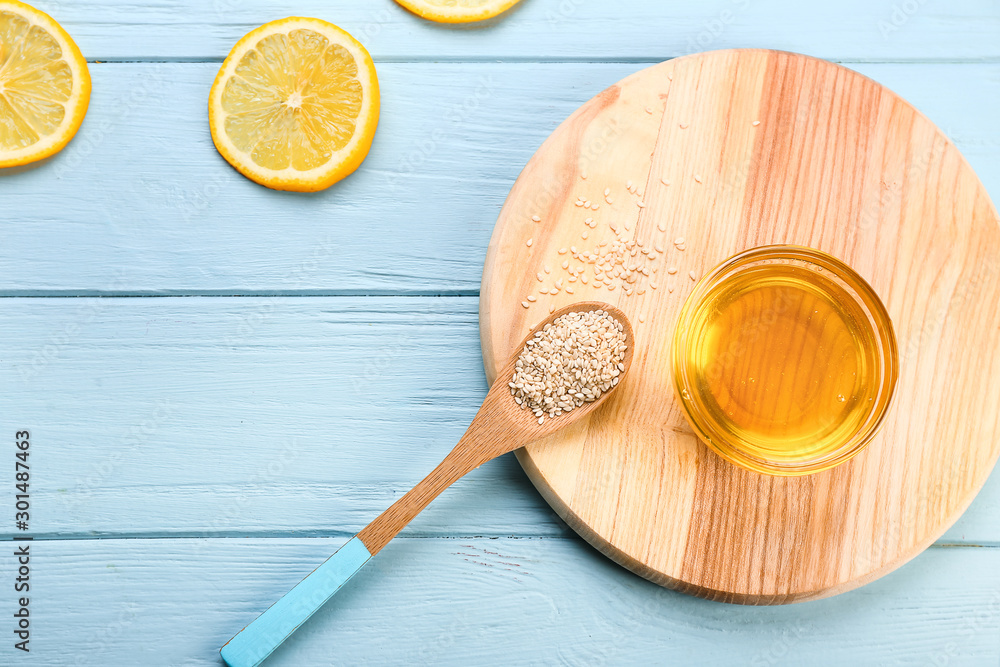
[346, 535]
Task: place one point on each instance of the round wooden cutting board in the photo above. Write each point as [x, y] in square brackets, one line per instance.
[731, 150]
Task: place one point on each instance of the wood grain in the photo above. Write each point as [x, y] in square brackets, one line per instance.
[543, 29]
[174, 602]
[839, 163]
[178, 220]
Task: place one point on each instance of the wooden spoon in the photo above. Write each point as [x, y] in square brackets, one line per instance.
[500, 426]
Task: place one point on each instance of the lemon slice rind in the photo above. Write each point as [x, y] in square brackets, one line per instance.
[51, 142]
[342, 162]
[432, 11]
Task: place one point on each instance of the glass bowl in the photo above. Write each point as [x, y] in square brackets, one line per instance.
[785, 360]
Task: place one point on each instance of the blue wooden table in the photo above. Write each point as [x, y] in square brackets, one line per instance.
[224, 383]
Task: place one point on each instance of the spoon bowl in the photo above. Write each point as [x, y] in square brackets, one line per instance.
[499, 405]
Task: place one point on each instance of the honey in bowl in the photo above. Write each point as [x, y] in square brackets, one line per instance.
[785, 360]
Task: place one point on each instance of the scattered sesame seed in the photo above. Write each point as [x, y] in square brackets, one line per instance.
[525, 304]
[662, 227]
[628, 186]
[607, 191]
[616, 262]
[755, 123]
[697, 178]
[609, 200]
[692, 275]
[532, 297]
[679, 240]
[569, 290]
[670, 290]
[653, 285]
[665, 181]
[543, 290]
[530, 241]
[685, 126]
[595, 207]
[649, 110]
[552, 308]
[658, 247]
[642, 318]
[672, 270]
[535, 218]
[641, 204]
[583, 175]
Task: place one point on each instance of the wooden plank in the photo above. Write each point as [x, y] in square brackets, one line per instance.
[268, 416]
[448, 601]
[575, 29]
[140, 202]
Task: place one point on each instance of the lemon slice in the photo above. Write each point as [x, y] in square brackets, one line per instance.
[44, 85]
[295, 105]
[457, 11]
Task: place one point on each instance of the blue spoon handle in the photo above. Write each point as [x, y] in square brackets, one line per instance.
[255, 642]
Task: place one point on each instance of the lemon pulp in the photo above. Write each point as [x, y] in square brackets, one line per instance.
[39, 108]
[295, 105]
[293, 101]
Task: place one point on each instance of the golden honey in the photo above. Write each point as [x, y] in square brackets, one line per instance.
[785, 360]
